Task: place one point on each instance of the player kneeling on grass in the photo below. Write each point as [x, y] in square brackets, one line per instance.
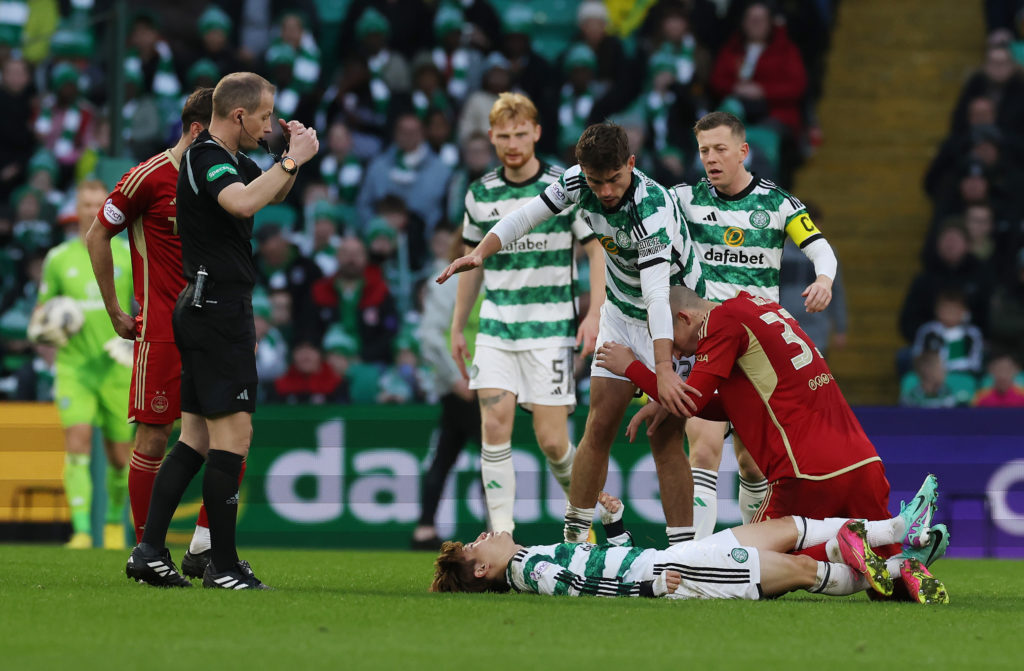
[747, 562]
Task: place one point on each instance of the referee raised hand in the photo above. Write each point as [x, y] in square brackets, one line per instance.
[219, 191]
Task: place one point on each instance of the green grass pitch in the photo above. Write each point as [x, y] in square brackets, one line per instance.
[62, 609]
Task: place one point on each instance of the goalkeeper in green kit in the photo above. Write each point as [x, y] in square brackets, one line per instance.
[93, 373]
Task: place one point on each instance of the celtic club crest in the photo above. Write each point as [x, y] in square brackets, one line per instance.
[759, 219]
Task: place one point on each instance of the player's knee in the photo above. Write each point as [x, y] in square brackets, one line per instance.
[496, 429]
[151, 441]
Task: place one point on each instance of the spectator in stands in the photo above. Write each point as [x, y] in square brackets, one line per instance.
[282, 266]
[339, 169]
[1006, 390]
[475, 114]
[65, 122]
[669, 115]
[309, 380]
[929, 386]
[579, 96]
[947, 264]
[326, 237]
[438, 132]
[17, 142]
[428, 92]
[256, 21]
[979, 226]
[482, 25]
[410, 229]
[151, 56]
[391, 254]
[614, 73]
[761, 67]
[357, 298]
[410, 169]
[529, 71]
[477, 158]
[295, 32]
[1008, 312]
[204, 73]
[406, 22]
[674, 37]
[1001, 80]
[362, 96]
[957, 341]
[215, 31]
[459, 64]
[271, 348]
[281, 313]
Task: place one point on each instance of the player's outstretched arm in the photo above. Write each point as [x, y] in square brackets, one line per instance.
[465, 297]
[487, 248]
[97, 241]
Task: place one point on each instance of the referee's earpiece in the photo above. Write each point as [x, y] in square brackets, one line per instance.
[239, 117]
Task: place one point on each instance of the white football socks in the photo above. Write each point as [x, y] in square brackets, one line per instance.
[750, 497]
[577, 523]
[200, 540]
[837, 579]
[562, 469]
[678, 535]
[499, 477]
[705, 502]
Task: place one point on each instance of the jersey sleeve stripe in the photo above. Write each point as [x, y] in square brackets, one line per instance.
[547, 201]
[644, 265]
[140, 171]
[130, 192]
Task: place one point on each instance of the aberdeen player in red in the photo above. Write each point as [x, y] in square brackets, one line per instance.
[776, 389]
[144, 203]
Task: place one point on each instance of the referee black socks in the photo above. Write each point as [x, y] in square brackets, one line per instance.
[176, 471]
[220, 496]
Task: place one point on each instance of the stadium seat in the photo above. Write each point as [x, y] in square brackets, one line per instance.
[766, 142]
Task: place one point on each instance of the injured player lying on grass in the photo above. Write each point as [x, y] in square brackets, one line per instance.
[747, 562]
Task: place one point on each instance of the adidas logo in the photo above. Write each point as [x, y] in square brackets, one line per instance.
[244, 396]
[494, 213]
[493, 484]
[710, 217]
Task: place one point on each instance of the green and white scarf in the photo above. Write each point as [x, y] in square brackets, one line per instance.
[71, 124]
[683, 55]
[343, 178]
[379, 91]
[456, 68]
[422, 103]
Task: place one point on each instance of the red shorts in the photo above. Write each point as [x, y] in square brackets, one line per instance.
[155, 396]
[861, 493]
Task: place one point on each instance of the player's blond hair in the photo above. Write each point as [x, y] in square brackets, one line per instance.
[512, 107]
[91, 185]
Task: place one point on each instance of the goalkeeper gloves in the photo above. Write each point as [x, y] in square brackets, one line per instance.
[120, 350]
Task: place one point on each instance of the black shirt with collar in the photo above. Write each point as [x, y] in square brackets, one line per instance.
[210, 236]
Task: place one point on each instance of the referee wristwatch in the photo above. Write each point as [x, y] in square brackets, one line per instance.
[289, 165]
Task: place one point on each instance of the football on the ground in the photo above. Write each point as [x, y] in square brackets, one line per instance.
[57, 320]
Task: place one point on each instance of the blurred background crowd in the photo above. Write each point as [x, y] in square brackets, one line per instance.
[963, 314]
[400, 91]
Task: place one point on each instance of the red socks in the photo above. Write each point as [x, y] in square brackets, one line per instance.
[141, 475]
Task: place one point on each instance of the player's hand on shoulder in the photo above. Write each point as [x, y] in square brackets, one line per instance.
[614, 358]
[460, 265]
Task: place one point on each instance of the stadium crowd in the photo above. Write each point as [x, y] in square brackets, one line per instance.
[964, 312]
[400, 90]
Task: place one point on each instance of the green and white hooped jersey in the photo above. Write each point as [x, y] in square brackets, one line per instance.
[579, 569]
[739, 239]
[530, 300]
[646, 229]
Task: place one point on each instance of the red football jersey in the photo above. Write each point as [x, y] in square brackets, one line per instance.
[144, 202]
[778, 392]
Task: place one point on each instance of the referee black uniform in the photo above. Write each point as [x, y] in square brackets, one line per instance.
[217, 341]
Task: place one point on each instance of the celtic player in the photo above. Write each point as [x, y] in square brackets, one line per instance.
[647, 249]
[747, 562]
[528, 318]
[91, 387]
[739, 224]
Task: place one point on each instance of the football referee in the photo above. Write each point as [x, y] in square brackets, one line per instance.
[219, 191]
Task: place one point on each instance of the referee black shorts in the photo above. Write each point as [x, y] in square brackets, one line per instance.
[218, 354]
